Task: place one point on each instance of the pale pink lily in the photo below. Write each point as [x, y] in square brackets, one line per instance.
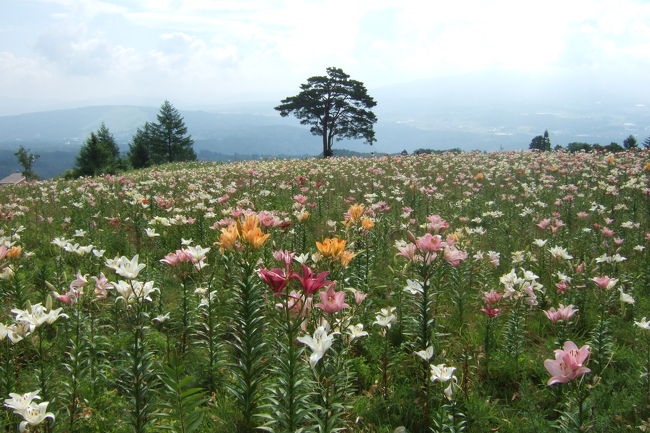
[563, 313]
[604, 282]
[454, 256]
[332, 301]
[429, 243]
[102, 286]
[568, 363]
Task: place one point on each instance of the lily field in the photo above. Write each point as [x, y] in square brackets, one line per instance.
[501, 292]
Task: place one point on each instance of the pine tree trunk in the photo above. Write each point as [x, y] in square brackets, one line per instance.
[327, 149]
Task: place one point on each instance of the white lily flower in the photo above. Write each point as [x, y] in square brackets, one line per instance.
[302, 258]
[19, 330]
[35, 415]
[643, 324]
[4, 331]
[135, 290]
[626, 298]
[425, 354]
[125, 267]
[413, 287]
[20, 402]
[161, 319]
[442, 373]
[151, 233]
[319, 343]
[356, 331]
[560, 253]
[38, 315]
[60, 242]
[449, 391]
[198, 253]
[385, 317]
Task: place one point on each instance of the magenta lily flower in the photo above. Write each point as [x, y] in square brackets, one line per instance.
[332, 301]
[276, 279]
[312, 283]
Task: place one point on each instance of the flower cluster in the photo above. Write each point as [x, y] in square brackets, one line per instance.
[33, 413]
[27, 321]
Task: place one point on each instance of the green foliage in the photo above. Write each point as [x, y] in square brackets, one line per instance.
[578, 146]
[137, 378]
[139, 150]
[100, 154]
[183, 404]
[170, 142]
[288, 407]
[101, 368]
[248, 348]
[541, 142]
[614, 147]
[163, 141]
[334, 385]
[335, 107]
[602, 345]
[449, 419]
[630, 143]
[26, 160]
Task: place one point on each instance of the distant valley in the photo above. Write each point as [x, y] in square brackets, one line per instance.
[411, 116]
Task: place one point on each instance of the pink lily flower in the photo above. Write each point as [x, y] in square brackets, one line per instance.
[492, 297]
[409, 251]
[563, 313]
[568, 363]
[437, 224]
[491, 312]
[605, 282]
[285, 257]
[429, 243]
[332, 301]
[454, 256]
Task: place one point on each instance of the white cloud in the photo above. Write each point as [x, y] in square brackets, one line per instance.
[211, 48]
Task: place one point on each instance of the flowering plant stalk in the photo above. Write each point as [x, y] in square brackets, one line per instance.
[334, 383]
[288, 404]
[248, 345]
[75, 353]
[385, 318]
[209, 331]
[137, 379]
[568, 365]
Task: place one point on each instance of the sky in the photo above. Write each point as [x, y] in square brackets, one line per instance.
[209, 52]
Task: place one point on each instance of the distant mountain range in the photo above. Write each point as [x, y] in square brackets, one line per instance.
[471, 113]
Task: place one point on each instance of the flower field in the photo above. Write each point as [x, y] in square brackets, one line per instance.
[504, 292]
